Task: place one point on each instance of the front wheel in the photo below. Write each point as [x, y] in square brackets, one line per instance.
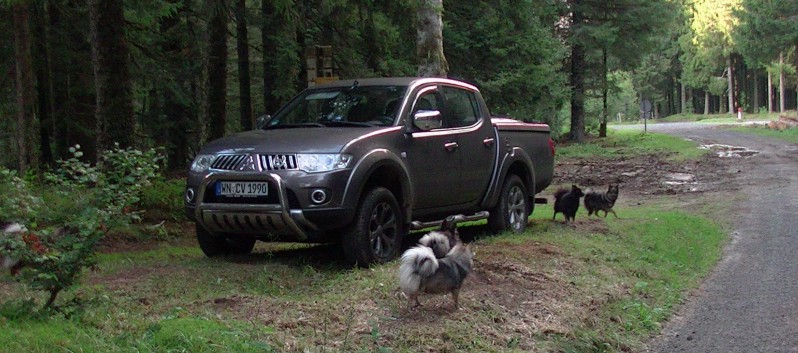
[215, 245]
[512, 211]
[375, 235]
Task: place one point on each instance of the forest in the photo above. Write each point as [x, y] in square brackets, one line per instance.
[174, 74]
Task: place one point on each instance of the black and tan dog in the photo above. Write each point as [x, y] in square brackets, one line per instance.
[601, 201]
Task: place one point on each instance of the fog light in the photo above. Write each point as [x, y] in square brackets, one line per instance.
[190, 195]
[318, 196]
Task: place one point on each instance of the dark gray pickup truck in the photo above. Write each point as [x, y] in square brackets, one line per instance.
[362, 162]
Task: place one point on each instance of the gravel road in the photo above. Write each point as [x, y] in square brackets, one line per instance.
[749, 303]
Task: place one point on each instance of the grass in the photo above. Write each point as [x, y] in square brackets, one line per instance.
[715, 118]
[789, 135]
[604, 285]
[631, 143]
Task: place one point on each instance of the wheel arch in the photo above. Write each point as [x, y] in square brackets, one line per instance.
[517, 162]
[380, 168]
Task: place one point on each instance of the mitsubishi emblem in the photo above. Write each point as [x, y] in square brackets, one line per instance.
[250, 164]
[278, 161]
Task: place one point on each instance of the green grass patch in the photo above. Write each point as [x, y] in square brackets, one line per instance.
[789, 135]
[717, 118]
[639, 267]
[629, 144]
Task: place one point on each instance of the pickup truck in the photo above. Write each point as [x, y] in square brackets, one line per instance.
[363, 162]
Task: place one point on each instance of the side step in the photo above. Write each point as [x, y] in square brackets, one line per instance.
[541, 200]
[416, 225]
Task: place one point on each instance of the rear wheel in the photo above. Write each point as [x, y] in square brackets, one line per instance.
[375, 235]
[512, 211]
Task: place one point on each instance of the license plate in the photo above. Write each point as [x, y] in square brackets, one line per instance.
[242, 188]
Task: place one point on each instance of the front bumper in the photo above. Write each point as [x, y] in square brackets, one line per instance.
[273, 220]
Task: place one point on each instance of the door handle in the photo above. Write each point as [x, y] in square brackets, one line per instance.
[488, 141]
[451, 146]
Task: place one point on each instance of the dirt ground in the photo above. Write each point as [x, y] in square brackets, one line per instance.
[531, 300]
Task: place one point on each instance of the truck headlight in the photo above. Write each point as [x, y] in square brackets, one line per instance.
[201, 163]
[322, 162]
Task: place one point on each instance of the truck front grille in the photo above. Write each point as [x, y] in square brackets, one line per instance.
[247, 162]
[279, 161]
[228, 161]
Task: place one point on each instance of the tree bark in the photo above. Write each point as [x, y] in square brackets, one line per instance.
[755, 106]
[242, 44]
[683, 98]
[706, 102]
[577, 132]
[217, 69]
[770, 92]
[782, 77]
[731, 85]
[27, 157]
[429, 39]
[604, 94]
[114, 110]
[44, 85]
[267, 31]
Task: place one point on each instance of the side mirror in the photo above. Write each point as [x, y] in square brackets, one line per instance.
[262, 120]
[428, 119]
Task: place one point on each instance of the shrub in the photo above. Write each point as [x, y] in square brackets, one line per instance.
[119, 177]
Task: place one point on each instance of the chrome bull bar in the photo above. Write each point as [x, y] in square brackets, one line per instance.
[256, 219]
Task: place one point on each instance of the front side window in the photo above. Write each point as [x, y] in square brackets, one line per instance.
[462, 107]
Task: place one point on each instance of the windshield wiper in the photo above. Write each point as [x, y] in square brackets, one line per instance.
[346, 123]
[292, 126]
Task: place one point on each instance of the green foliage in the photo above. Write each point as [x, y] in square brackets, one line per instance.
[520, 74]
[18, 202]
[118, 179]
[165, 196]
[765, 29]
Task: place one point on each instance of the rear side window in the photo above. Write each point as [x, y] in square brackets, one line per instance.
[461, 105]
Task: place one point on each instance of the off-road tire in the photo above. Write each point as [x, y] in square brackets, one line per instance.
[375, 235]
[513, 210]
[212, 245]
[240, 246]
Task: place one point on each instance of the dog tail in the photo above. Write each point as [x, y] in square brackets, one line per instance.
[417, 263]
[561, 191]
[438, 242]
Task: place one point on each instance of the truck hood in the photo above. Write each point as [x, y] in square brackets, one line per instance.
[299, 140]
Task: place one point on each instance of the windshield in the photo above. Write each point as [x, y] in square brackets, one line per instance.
[341, 106]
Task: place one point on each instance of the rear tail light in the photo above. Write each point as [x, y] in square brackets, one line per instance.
[551, 145]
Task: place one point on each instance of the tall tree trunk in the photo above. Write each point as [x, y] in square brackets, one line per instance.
[683, 98]
[731, 85]
[217, 69]
[44, 84]
[770, 92]
[604, 94]
[370, 37]
[577, 132]
[27, 156]
[429, 39]
[756, 91]
[267, 31]
[782, 94]
[242, 44]
[114, 110]
[706, 102]
[59, 73]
